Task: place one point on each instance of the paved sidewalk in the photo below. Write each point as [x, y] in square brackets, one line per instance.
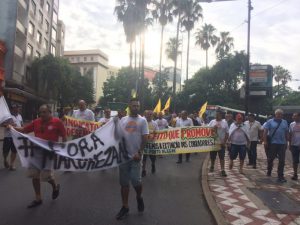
[252, 198]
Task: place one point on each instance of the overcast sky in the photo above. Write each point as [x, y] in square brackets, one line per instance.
[275, 32]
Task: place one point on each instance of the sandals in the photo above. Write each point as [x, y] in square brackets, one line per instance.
[34, 203]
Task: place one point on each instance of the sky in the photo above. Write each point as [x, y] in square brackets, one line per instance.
[275, 33]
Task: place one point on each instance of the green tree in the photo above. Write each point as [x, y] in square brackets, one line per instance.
[160, 87]
[172, 49]
[205, 37]
[191, 14]
[283, 75]
[224, 45]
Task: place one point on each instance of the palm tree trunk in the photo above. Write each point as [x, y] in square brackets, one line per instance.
[130, 55]
[206, 58]
[175, 61]
[187, 56]
[142, 73]
[160, 54]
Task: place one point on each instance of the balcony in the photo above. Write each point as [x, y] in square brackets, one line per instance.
[21, 28]
[19, 52]
[23, 4]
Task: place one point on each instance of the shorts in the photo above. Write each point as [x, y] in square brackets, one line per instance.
[130, 171]
[295, 154]
[8, 145]
[238, 150]
[221, 153]
[43, 175]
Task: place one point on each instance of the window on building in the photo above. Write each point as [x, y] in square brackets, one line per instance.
[84, 59]
[78, 59]
[53, 49]
[31, 28]
[92, 58]
[45, 45]
[53, 35]
[37, 54]
[39, 37]
[29, 50]
[47, 26]
[33, 7]
[48, 7]
[55, 17]
[40, 17]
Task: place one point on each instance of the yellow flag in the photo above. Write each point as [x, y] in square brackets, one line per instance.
[202, 110]
[167, 105]
[127, 111]
[158, 107]
[133, 93]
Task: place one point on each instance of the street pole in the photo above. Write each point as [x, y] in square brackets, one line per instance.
[248, 60]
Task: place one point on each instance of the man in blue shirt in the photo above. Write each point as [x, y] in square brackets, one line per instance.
[275, 140]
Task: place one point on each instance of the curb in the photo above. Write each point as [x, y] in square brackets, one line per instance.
[212, 205]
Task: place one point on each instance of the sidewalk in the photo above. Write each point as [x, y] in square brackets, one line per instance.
[253, 198]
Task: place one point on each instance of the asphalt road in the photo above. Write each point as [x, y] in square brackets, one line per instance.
[173, 196]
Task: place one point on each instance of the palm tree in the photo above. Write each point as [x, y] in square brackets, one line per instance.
[206, 38]
[192, 13]
[172, 49]
[283, 75]
[224, 45]
[162, 12]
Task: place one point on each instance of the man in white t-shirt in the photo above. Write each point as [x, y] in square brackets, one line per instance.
[184, 121]
[221, 127]
[8, 144]
[106, 117]
[255, 133]
[294, 140]
[161, 122]
[134, 129]
[83, 113]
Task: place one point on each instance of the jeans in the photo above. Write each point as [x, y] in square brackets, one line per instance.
[279, 151]
[252, 153]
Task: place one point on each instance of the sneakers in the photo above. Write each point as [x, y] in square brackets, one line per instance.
[140, 204]
[281, 180]
[254, 166]
[143, 173]
[34, 203]
[55, 193]
[295, 177]
[153, 169]
[123, 213]
[223, 173]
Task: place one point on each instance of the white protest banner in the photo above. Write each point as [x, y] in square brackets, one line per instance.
[4, 111]
[182, 140]
[99, 150]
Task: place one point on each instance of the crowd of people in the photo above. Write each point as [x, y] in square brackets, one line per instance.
[239, 136]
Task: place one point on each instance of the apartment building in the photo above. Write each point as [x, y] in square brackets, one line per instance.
[92, 63]
[29, 29]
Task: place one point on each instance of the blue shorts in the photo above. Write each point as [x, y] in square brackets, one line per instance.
[238, 150]
[295, 154]
[130, 171]
[221, 153]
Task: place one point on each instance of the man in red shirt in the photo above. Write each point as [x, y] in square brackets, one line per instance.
[48, 128]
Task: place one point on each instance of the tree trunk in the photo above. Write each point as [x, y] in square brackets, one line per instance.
[130, 55]
[206, 58]
[175, 61]
[187, 56]
[160, 56]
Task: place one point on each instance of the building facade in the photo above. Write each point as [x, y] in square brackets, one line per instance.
[91, 63]
[29, 29]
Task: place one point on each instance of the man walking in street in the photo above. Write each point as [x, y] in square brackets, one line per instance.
[106, 117]
[48, 128]
[161, 122]
[83, 113]
[134, 129]
[152, 126]
[294, 139]
[276, 143]
[8, 144]
[222, 135]
[184, 121]
[255, 133]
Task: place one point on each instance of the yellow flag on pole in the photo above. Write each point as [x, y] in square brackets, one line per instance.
[167, 105]
[202, 110]
[157, 108]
